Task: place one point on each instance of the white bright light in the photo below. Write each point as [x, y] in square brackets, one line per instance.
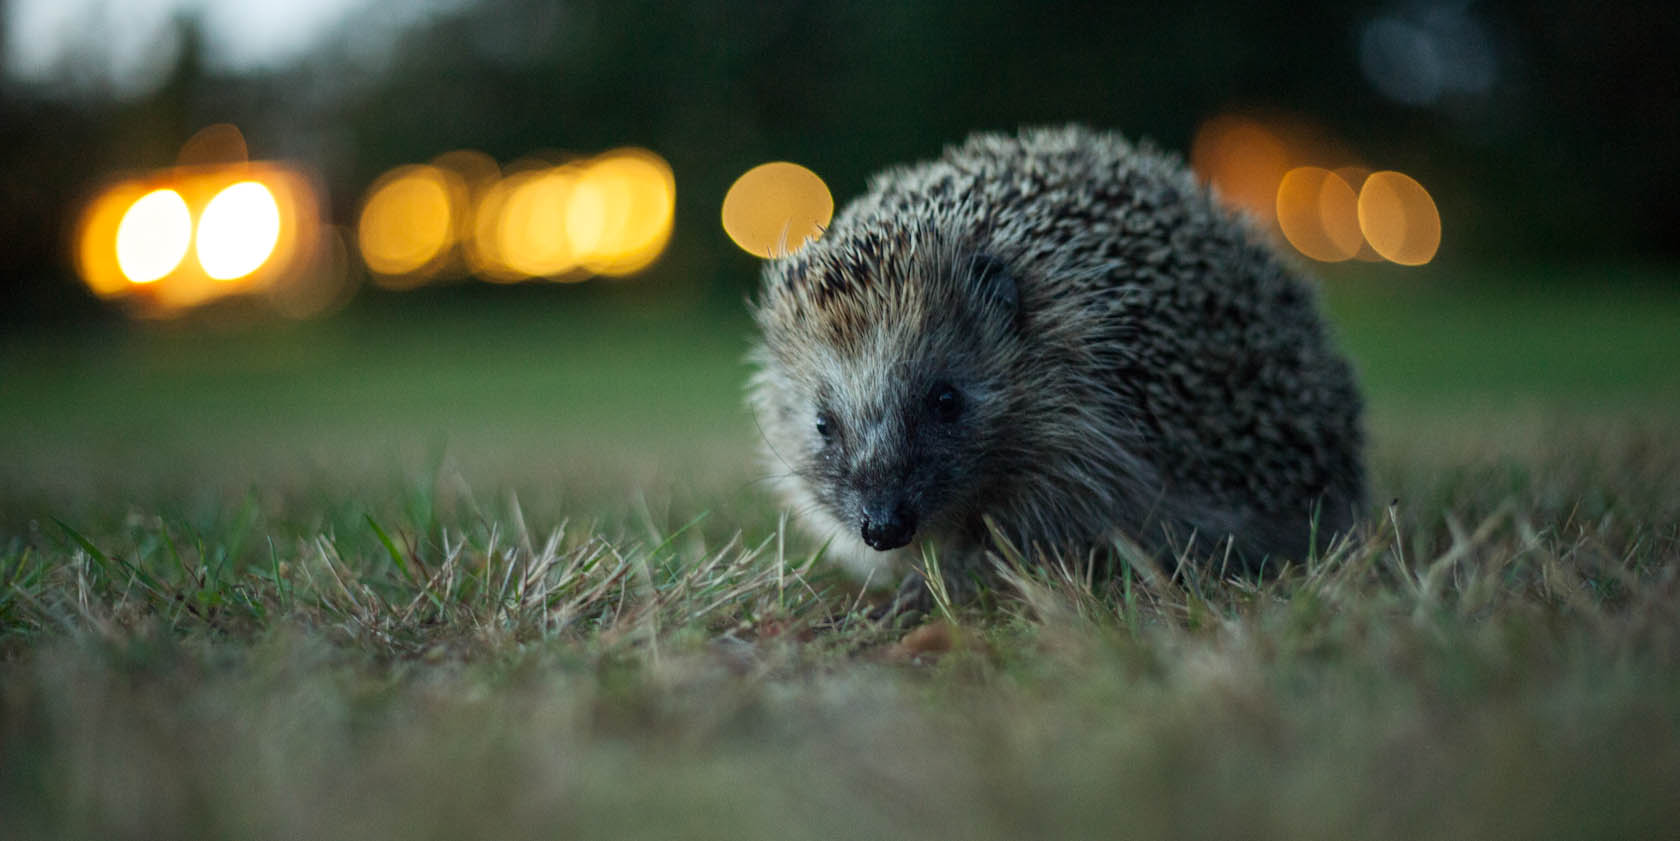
[153, 236]
[238, 231]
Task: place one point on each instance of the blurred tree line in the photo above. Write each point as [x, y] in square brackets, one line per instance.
[1568, 154]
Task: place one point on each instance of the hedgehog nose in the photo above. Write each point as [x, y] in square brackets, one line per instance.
[887, 525]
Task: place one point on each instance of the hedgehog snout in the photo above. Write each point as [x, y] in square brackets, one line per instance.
[887, 523]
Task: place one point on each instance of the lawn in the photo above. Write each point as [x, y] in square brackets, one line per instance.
[503, 567]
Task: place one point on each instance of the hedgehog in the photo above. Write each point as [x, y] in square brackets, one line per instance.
[1057, 339]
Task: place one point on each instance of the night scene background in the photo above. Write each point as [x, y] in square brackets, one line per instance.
[360, 362]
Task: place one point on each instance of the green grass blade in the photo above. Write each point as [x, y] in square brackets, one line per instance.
[390, 546]
[94, 552]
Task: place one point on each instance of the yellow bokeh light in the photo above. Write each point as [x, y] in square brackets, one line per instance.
[408, 221]
[532, 238]
[1318, 213]
[483, 247]
[153, 236]
[609, 215]
[592, 206]
[1243, 161]
[238, 231]
[773, 209]
[1399, 218]
[471, 174]
[634, 195]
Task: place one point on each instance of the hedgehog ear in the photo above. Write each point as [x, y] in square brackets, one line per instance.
[996, 284]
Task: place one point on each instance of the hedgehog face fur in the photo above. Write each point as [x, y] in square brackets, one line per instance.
[895, 427]
[1061, 333]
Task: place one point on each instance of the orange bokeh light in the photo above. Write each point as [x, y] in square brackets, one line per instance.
[773, 209]
[1318, 214]
[1355, 177]
[1399, 218]
[218, 143]
[251, 226]
[1243, 161]
[1303, 184]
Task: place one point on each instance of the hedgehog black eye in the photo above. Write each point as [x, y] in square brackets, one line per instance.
[825, 426]
[944, 402]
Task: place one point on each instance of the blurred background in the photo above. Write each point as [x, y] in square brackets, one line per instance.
[236, 236]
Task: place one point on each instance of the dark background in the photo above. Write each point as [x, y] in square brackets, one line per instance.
[1548, 133]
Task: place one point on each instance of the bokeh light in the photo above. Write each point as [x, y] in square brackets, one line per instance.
[238, 231]
[96, 239]
[608, 215]
[483, 246]
[533, 237]
[218, 143]
[773, 209]
[153, 236]
[1318, 214]
[475, 169]
[1304, 185]
[637, 198]
[254, 228]
[1355, 177]
[326, 286]
[408, 223]
[1399, 218]
[1243, 160]
[589, 202]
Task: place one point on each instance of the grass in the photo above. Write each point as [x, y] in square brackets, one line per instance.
[364, 581]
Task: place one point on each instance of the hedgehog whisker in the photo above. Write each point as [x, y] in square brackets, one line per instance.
[807, 509]
[773, 477]
[770, 444]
